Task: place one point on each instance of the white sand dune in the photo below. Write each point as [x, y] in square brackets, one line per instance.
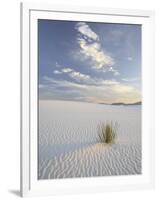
[69, 145]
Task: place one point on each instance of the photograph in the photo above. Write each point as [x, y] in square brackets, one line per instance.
[89, 99]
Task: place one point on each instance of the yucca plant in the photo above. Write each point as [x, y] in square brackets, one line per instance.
[107, 132]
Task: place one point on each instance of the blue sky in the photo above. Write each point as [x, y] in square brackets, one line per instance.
[89, 61]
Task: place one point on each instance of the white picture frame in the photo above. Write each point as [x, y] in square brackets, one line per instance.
[30, 185]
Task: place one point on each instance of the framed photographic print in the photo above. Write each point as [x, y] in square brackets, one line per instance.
[87, 99]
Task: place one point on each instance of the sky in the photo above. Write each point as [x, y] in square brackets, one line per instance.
[89, 61]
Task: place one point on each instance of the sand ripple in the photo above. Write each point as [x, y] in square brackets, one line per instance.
[68, 143]
[95, 160]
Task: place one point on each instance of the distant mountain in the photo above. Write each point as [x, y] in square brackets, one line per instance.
[127, 104]
[105, 103]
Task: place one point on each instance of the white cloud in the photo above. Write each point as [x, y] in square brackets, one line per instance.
[64, 70]
[79, 76]
[130, 79]
[85, 78]
[51, 82]
[85, 30]
[115, 72]
[121, 88]
[57, 72]
[126, 93]
[108, 82]
[130, 58]
[92, 50]
[104, 91]
[67, 70]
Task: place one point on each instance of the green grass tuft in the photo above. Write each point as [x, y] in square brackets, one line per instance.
[107, 132]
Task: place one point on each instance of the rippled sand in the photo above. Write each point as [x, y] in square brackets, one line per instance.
[69, 145]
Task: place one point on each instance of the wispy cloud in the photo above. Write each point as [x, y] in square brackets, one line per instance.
[92, 51]
[96, 62]
[85, 30]
[88, 80]
[131, 79]
[79, 76]
[100, 91]
[63, 70]
[66, 70]
[53, 83]
[115, 72]
[57, 72]
[84, 78]
[129, 58]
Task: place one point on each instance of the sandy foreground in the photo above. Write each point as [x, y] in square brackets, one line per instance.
[69, 145]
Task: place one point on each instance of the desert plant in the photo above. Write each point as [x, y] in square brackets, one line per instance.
[107, 132]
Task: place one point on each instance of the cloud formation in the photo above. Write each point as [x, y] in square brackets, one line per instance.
[85, 30]
[86, 61]
[66, 70]
[100, 91]
[79, 76]
[83, 78]
[131, 79]
[91, 49]
[57, 72]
